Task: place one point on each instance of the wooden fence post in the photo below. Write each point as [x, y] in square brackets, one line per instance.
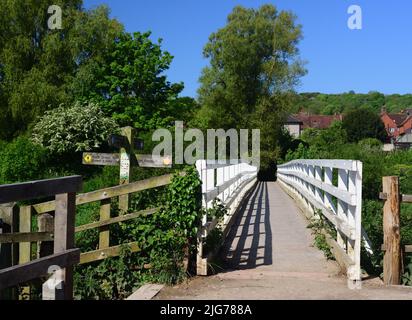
[45, 224]
[126, 167]
[25, 247]
[391, 231]
[104, 235]
[9, 214]
[64, 222]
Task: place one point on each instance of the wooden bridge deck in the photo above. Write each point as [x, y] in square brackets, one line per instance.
[269, 254]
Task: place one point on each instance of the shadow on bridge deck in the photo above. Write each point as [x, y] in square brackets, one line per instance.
[269, 254]
[249, 242]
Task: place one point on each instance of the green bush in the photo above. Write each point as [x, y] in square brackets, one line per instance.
[166, 239]
[77, 128]
[21, 160]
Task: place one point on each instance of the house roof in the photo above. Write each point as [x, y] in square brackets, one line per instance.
[398, 118]
[291, 120]
[317, 121]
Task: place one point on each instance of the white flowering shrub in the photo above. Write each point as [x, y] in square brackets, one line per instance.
[82, 127]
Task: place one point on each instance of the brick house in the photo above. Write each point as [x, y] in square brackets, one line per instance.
[397, 124]
[294, 126]
[298, 122]
[317, 121]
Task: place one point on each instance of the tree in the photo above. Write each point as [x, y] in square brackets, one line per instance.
[130, 84]
[254, 65]
[42, 68]
[77, 128]
[364, 123]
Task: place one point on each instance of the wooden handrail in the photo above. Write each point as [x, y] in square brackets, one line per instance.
[38, 268]
[111, 192]
[118, 219]
[38, 189]
[406, 198]
[25, 237]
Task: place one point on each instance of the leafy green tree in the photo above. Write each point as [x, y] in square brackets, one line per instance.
[77, 128]
[130, 84]
[364, 123]
[21, 160]
[42, 68]
[254, 65]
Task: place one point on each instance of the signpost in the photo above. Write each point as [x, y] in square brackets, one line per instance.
[126, 159]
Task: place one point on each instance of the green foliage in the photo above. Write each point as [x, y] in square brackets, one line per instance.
[216, 211]
[320, 227]
[323, 139]
[254, 65]
[330, 104]
[130, 85]
[371, 143]
[21, 160]
[43, 68]
[364, 123]
[213, 241]
[407, 276]
[78, 128]
[215, 237]
[166, 239]
[108, 280]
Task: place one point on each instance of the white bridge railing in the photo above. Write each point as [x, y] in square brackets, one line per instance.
[228, 181]
[335, 188]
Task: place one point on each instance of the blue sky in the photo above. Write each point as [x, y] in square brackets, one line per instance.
[378, 57]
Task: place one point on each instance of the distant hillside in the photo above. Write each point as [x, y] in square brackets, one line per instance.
[328, 104]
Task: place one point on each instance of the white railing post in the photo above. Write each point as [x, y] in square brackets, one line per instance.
[220, 180]
[342, 206]
[355, 220]
[329, 181]
[201, 263]
[318, 191]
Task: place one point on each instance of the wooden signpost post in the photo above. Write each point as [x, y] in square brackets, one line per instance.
[126, 159]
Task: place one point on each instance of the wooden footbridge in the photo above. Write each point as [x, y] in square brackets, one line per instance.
[268, 250]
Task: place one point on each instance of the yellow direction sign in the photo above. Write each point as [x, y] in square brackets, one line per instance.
[101, 159]
[113, 159]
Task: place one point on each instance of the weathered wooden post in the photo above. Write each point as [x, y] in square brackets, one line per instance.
[45, 223]
[25, 247]
[126, 159]
[8, 223]
[391, 231]
[126, 152]
[104, 233]
[60, 285]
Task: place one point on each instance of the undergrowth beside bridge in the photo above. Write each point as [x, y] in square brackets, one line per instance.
[166, 239]
[333, 143]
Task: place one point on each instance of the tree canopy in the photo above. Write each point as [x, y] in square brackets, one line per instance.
[254, 65]
[91, 58]
[39, 66]
[364, 123]
[130, 84]
[329, 104]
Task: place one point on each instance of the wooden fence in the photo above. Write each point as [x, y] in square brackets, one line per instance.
[393, 257]
[311, 182]
[64, 254]
[229, 182]
[52, 227]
